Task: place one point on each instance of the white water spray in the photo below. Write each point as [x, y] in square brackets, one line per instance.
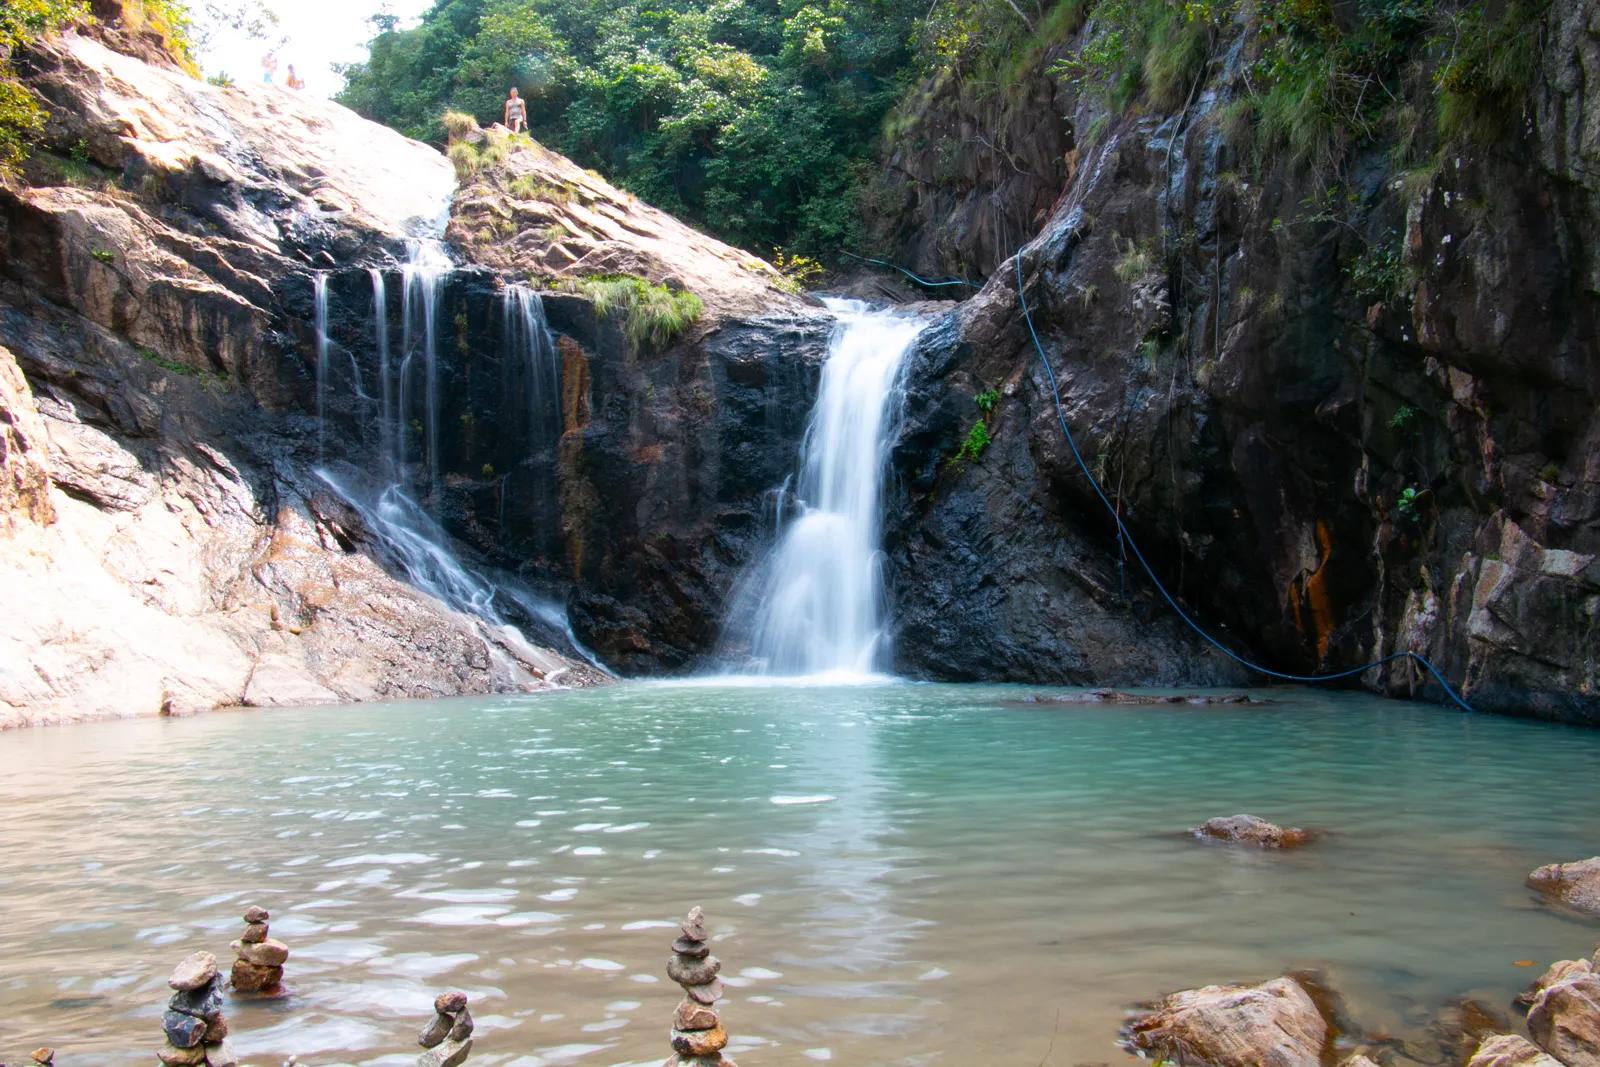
[821, 611]
[426, 266]
[319, 295]
[526, 331]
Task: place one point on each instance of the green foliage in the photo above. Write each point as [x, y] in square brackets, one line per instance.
[528, 187]
[1151, 48]
[1409, 503]
[103, 256]
[1137, 261]
[457, 124]
[757, 120]
[977, 440]
[796, 273]
[21, 117]
[1404, 418]
[168, 20]
[650, 313]
[987, 401]
[1379, 273]
[221, 79]
[1490, 63]
[467, 160]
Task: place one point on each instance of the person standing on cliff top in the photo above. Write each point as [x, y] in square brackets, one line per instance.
[294, 81]
[516, 112]
[269, 67]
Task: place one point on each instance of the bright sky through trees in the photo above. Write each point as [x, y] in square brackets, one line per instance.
[315, 35]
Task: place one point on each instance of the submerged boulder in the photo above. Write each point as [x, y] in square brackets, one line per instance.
[1575, 885]
[1565, 1020]
[1275, 1024]
[1251, 830]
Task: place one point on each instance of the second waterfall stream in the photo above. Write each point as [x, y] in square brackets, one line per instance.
[821, 601]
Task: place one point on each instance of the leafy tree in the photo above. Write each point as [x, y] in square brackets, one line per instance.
[21, 23]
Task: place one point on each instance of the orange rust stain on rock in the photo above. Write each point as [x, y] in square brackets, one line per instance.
[1309, 596]
[574, 385]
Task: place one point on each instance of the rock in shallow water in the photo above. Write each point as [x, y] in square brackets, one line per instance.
[1508, 1050]
[1576, 885]
[1251, 830]
[184, 1031]
[449, 1054]
[1565, 1020]
[1275, 1024]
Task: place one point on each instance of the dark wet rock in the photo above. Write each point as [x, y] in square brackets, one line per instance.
[203, 1003]
[184, 1031]
[249, 978]
[216, 1027]
[1250, 830]
[195, 972]
[256, 915]
[448, 1037]
[1276, 1024]
[1573, 885]
[1564, 1020]
[693, 949]
[254, 934]
[690, 971]
[1509, 1050]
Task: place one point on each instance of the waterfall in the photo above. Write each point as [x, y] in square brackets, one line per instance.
[526, 331]
[822, 604]
[426, 265]
[388, 430]
[319, 294]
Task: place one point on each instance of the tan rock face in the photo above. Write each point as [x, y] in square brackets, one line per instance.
[1565, 1020]
[1574, 885]
[1509, 1050]
[24, 452]
[1275, 1024]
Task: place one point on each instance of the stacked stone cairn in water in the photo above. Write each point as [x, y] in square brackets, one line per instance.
[448, 1038]
[196, 1031]
[259, 967]
[697, 1034]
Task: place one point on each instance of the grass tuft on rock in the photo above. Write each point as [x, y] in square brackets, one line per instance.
[651, 314]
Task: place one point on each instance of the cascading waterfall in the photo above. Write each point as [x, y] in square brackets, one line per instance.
[319, 296]
[415, 539]
[527, 332]
[821, 609]
[426, 265]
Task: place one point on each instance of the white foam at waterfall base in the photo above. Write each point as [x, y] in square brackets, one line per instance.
[821, 609]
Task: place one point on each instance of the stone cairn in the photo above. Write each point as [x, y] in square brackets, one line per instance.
[448, 1038]
[697, 1034]
[196, 1031]
[259, 967]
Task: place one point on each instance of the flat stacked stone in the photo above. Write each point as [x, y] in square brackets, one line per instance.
[697, 1034]
[259, 966]
[45, 1057]
[197, 1031]
[448, 1038]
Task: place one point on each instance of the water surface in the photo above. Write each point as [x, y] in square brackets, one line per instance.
[895, 874]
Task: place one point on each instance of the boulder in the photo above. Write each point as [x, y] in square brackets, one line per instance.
[449, 1054]
[1508, 1050]
[1575, 885]
[1275, 1024]
[1559, 971]
[1251, 830]
[1565, 1020]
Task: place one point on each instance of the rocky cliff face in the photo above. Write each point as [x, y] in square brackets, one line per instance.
[211, 501]
[1323, 473]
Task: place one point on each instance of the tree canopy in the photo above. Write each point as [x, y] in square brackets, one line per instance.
[755, 117]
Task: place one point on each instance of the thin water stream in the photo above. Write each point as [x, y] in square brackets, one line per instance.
[897, 874]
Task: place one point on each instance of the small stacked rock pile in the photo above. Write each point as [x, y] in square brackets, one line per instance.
[196, 1031]
[697, 1034]
[259, 967]
[448, 1038]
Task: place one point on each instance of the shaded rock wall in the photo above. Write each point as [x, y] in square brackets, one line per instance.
[1324, 476]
